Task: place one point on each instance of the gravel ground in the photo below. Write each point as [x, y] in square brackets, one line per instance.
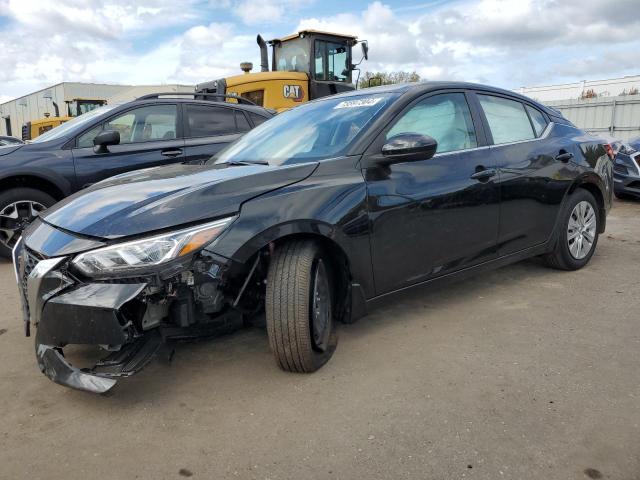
[523, 373]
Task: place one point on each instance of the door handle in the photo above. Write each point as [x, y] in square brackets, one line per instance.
[484, 174]
[171, 152]
[564, 156]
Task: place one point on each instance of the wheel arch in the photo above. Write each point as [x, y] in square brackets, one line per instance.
[35, 181]
[331, 242]
[594, 185]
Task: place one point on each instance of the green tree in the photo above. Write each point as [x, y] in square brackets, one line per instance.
[373, 79]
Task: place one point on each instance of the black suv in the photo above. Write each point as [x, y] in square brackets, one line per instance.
[312, 218]
[153, 130]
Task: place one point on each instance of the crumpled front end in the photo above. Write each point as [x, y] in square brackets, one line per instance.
[128, 318]
[66, 311]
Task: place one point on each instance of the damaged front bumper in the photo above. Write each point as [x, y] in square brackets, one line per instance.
[68, 312]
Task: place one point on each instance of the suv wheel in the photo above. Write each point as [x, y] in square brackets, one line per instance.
[299, 307]
[578, 233]
[18, 208]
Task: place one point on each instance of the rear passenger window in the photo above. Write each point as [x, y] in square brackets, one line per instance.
[507, 119]
[537, 119]
[242, 122]
[205, 121]
[445, 117]
[257, 119]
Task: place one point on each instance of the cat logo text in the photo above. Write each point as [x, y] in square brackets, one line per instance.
[294, 92]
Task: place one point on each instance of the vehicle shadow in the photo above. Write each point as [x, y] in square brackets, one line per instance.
[243, 359]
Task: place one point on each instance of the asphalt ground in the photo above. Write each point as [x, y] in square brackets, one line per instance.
[522, 373]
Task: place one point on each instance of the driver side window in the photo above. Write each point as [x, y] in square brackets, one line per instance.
[445, 117]
[156, 122]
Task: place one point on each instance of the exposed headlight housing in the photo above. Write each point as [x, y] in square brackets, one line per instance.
[137, 255]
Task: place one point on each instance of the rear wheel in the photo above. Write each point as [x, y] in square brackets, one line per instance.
[299, 307]
[18, 208]
[578, 233]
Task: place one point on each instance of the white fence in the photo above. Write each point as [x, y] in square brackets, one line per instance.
[615, 116]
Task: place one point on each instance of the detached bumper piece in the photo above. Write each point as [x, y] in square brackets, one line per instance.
[102, 377]
[54, 366]
[91, 314]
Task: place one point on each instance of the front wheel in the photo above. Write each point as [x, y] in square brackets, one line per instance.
[18, 208]
[578, 232]
[299, 307]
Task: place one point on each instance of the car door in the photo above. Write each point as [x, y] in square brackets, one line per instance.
[210, 128]
[149, 136]
[534, 170]
[434, 216]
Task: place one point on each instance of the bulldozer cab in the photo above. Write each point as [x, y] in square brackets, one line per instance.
[78, 106]
[324, 56]
[304, 66]
[75, 107]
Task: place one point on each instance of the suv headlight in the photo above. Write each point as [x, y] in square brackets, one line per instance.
[148, 252]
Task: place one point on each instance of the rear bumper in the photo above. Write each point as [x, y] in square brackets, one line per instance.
[629, 184]
[67, 312]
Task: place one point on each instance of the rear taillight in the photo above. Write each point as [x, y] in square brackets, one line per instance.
[609, 151]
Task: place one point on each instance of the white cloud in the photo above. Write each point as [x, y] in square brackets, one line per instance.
[507, 42]
[109, 19]
[93, 42]
[504, 42]
[267, 11]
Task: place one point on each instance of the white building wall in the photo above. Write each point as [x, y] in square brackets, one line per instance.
[603, 88]
[618, 117]
[34, 106]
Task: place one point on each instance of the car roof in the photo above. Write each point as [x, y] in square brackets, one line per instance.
[419, 88]
[168, 99]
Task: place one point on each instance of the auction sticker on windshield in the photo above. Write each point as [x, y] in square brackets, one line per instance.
[360, 102]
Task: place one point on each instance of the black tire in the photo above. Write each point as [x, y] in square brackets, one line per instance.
[291, 282]
[561, 257]
[18, 194]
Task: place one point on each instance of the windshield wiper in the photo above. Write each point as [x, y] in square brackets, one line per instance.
[245, 162]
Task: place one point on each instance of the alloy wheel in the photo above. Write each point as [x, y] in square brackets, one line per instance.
[581, 230]
[15, 217]
[321, 308]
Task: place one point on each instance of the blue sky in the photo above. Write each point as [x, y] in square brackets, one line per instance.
[508, 43]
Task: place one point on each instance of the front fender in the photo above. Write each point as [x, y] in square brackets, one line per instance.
[44, 174]
[331, 204]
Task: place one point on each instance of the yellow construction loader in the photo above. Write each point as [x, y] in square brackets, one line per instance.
[306, 65]
[75, 107]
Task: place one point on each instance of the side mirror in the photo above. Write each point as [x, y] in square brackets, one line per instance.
[408, 147]
[104, 139]
[365, 49]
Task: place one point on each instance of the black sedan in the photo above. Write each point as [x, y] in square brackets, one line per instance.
[311, 217]
[626, 171]
[153, 130]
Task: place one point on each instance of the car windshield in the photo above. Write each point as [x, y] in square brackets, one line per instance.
[72, 126]
[313, 131]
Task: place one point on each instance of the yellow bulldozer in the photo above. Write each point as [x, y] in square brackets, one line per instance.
[306, 65]
[75, 107]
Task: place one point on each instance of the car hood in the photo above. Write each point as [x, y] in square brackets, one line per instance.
[6, 149]
[165, 197]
